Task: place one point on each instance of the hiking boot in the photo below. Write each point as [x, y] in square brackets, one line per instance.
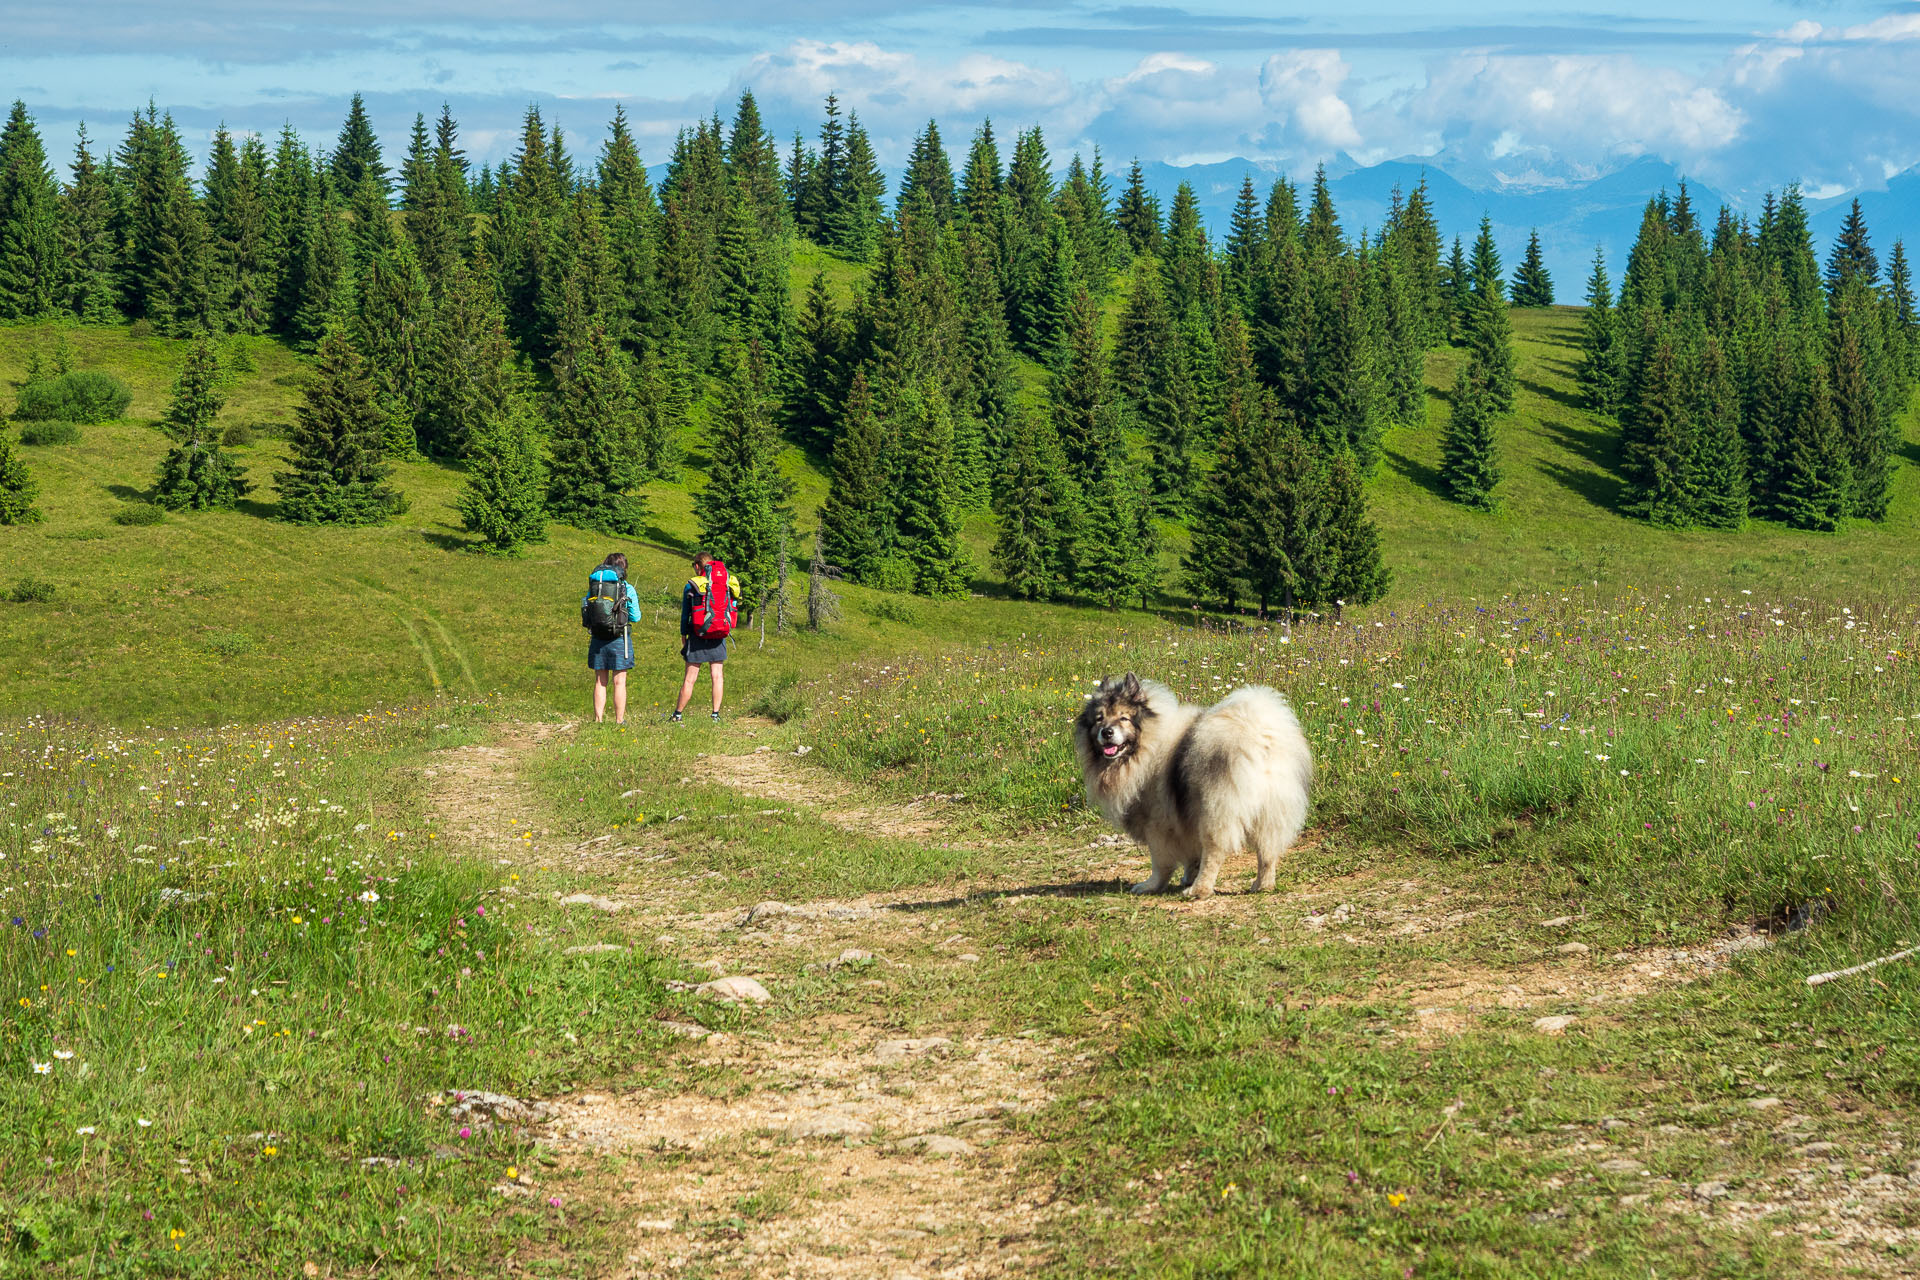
[716, 717]
[674, 718]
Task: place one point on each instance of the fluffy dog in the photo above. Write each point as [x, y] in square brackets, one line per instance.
[1196, 785]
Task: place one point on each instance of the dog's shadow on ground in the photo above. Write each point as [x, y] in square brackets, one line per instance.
[1070, 889]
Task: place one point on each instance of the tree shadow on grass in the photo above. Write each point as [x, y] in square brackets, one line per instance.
[451, 541]
[1420, 473]
[1603, 489]
[1559, 395]
[259, 510]
[127, 493]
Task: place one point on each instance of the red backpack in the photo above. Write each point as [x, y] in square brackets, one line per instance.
[714, 613]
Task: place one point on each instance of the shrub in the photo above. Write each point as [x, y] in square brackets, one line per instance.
[50, 433]
[236, 435]
[893, 610]
[31, 591]
[139, 513]
[85, 395]
[142, 328]
[781, 701]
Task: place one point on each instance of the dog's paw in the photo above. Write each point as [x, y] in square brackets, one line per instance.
[1147, 886]
[1193, 893]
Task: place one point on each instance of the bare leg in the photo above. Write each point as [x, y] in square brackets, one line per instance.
[719, 682]
[686, 689]
[599, 696]
[619, 697]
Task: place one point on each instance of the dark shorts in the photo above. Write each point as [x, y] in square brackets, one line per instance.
[702, 651]
[611, 655]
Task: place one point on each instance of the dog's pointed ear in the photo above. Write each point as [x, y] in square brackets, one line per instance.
[1130, 685]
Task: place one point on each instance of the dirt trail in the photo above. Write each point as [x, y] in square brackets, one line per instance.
[821, 1139]
[837, 1145]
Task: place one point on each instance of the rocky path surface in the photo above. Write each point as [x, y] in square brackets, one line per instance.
[813, 1145]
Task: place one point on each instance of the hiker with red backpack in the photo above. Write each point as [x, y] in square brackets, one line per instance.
[608, 612]
[709, 607]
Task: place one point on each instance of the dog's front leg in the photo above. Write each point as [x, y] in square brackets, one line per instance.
[1203, 872]
[1164, 865]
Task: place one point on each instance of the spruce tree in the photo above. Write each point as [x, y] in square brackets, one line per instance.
[593, 466]
[1489, 327]
[1657, 445]
[1717, 471]
[1114, 557]
[356, 153]
[1139, 214]
[392, 331]
[1870, 436]
[927, 520]
[89, 289]
[926, 190]
[17, 486]
[744, 519]
[1457, 288]
[336, 470]
[1288, 559]
[1469, 452]
[856, 518]
[660, 401]
[1852, 257]
[1219, 563]
[1355, 573]
[196, 474]
[1904, 322]
[1038, 507]
[1532, 285]
[1342, 392]
[1602, 353]
[1815, 477]
[753, 162]
[505, 499]
[1172, 417]
[631, 219]
[1081, 397]
[30, 257]
[464, 365]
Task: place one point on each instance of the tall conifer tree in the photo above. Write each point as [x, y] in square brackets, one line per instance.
[336, 475]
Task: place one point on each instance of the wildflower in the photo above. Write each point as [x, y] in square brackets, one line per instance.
[1396, 1198]
[369, 896]
[144, 1123]
[1229, 1189]
[85, 1131]
[42, 1068]
[63, 1054]
[465, 1132]
[269, 1151]
[512, 1173]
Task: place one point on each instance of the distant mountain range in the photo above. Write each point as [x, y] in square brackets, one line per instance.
[1572, 216]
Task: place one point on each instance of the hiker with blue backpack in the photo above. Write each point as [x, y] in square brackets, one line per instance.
[709, 607]
[608, 612]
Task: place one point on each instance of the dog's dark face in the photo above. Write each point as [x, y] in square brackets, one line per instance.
[1111, 723]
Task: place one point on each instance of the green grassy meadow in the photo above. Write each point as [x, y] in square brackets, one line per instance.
[258, 928]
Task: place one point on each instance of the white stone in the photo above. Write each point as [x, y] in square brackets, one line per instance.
[1554, 1024]
[1572, 948]
[938, 1144]
[1764, 1104]
[1558, 922]
[734, 990]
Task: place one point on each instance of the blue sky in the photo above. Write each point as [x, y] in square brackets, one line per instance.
[1743, 96]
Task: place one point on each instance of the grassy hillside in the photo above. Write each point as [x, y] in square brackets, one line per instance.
[217, 617]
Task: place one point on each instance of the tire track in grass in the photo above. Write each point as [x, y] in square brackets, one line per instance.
[399, 605]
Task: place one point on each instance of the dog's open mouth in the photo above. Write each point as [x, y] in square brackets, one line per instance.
[1113, 750]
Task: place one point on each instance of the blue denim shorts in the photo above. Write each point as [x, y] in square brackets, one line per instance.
[615, 654]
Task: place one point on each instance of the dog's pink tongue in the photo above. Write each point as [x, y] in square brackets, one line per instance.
[1110, 749]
